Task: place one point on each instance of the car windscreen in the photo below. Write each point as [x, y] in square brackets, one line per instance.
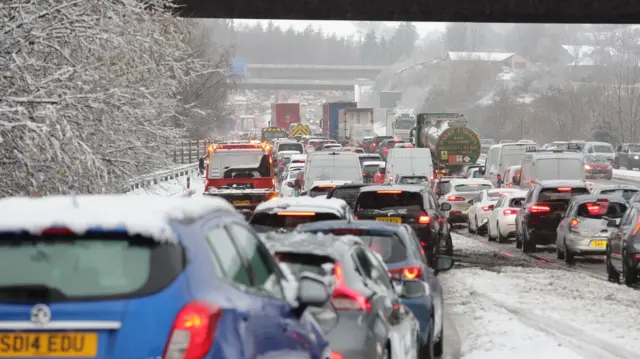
[348, 194]
[443, 187]
[560, 194]
[290, 147]
[390, 248]
[603, 149]
[413, 180]
[364, 159]
[599, 209]
[388, 199]
[471, 187]
[626, 193]
[303, 262]
[370, 170]
[516, 202]
[320, 190]
[595, 159]
[264, 221]
[101, 266]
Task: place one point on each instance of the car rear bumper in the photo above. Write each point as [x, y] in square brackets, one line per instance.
[585, 246]
[421, 309]
[457, 216]
[352, 339]
[542, 236]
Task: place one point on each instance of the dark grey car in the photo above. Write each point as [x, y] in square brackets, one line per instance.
[365, 318]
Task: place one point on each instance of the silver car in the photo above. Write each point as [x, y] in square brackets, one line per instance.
[582, 230]
[460, 196]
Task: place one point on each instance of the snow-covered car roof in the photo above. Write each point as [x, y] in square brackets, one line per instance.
[145, 215]
[298, 156]
[284, 153]
[295, 166]
[374, 163]
[503, 190]
[304, 203]
[328, 183]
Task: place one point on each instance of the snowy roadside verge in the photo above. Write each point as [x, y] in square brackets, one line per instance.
[514, 312]
[174, 187]
[627, 175]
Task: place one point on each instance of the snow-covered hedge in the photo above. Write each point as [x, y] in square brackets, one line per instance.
[88, 92]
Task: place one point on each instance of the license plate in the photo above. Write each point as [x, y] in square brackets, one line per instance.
[241, 203]
[389, 219]
[49, 345]
[599, 244]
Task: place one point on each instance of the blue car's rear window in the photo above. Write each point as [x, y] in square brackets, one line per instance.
[390, 248]
[66, 267]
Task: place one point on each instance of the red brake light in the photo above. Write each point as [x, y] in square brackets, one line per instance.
[536, 208]
[193, 331]
[335, 355]
[509, 212]
[386, 150]
[345, 298]
[424, 219]
[57, 230]
[455, 199]
[407, 273]
[486, 208]
[573, 225]
[564, 189]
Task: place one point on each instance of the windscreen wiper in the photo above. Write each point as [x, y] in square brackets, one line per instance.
[30, 293]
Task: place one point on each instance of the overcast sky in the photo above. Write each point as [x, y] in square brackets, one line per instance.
[343, 28]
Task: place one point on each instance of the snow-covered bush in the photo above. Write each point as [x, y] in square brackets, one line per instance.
[89, 92]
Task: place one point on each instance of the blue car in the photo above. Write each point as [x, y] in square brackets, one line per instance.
[399, 247]
[147, 277]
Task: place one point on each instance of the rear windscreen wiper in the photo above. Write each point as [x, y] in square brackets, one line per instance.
[30, 293]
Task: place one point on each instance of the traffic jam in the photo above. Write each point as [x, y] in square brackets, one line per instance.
[319, 243]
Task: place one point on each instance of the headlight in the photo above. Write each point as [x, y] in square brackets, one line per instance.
[636, 157]
[587, 167]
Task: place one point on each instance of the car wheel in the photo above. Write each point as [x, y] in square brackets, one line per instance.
[428, 350]
[490, 236]
[478, 230]
[501, 238]
[612, 274]
[518, 239]
[616, 165]
[559, 253]
[527, 245]
[438, 348]
[469, 225]
[569, 257]
[629, 273]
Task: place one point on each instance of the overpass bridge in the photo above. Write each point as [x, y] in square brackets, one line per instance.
[301, 85]
[313, 72]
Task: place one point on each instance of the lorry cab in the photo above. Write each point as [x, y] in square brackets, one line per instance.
[545, 165]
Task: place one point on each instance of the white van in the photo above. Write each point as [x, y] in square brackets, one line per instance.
[409, 161]
[551, 165]
[502, 156]
[331, 166]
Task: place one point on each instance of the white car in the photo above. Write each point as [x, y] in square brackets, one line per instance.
[502, 219]
[332, 147]
[461, 191]
[482, 205]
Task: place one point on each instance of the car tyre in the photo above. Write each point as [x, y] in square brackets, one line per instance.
[616, 165]
[501, 238]
[629, 273]
[480, 232]
[559, 253]
[518, 239]
[490, 237]
[428, 350]
[527, 245]
[569, 257]
[438, 348]
[469, 226]
[613, 275]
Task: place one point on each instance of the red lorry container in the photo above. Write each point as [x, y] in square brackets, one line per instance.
[285, 114]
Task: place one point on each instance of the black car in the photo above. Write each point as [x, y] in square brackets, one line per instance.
[364, 310]
[411, 204]
[347, 192]
[542, 211]
[623, 246]
[627, 156]
[373, 146]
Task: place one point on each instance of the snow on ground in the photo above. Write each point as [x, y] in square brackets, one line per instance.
[533, 312]
[626, 174]
[173, 187]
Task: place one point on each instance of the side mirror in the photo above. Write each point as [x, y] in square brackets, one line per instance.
[471, 201]
[304, 193]
[491, 207]
[312, 292]
[443, 263]
[445, 206]
[296, 183]
[288, 184]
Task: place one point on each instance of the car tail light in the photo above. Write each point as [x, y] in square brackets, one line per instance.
[455, 199]
[335, 355]
[364, 174]
[345, 298]
[193, 331]
[537, 208]
[573, 225]
[386, 150]
[510, 212]
[424, 219]
[564, 189]
[57, 230]
[407, 273]
[486, 208]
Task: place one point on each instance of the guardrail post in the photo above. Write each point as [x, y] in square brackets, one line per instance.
[182, 152]
[188, 182]
[190, 160]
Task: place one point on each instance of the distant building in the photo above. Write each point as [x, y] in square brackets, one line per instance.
[502, 59]
[587, 63]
